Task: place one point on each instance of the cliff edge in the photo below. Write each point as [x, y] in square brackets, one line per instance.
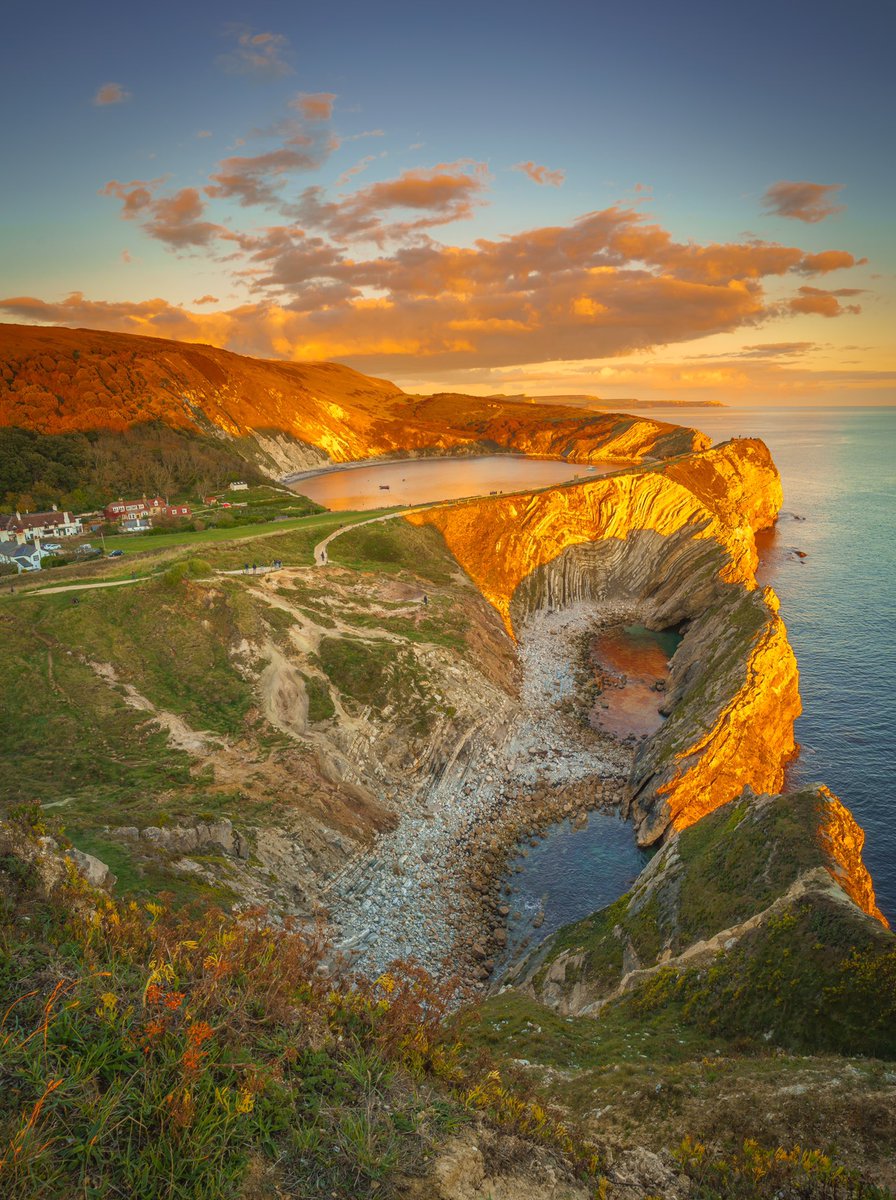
[672, 545]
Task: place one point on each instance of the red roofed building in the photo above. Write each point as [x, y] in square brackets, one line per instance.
[152, 508]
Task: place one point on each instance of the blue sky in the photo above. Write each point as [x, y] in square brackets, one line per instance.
[681, 116]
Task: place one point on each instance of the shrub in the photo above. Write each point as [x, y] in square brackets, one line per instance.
[188, 568]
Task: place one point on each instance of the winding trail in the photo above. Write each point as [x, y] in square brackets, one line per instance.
[320, 550]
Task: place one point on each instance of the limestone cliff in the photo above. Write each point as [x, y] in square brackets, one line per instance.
[765, 905]
[288, 416]
[732, 702]
[719, 498]
[673, 545]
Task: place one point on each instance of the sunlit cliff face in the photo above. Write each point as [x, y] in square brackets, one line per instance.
[676, 543]
[843, 838]
[749, 739]
[722, 495]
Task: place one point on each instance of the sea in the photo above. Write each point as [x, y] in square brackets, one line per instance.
[838, 469]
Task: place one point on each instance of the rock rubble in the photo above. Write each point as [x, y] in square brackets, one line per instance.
[434, 888]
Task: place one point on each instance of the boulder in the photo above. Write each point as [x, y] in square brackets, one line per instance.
[94, 871]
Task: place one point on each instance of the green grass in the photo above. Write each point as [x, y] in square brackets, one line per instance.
[815, 977]
[394, 546]
[379, 673]
[320, 701]
[323, 523]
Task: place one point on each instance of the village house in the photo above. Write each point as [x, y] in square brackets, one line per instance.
[123, 509]
[55, 523]
[147, 510]
[23, 555]
[239, 486]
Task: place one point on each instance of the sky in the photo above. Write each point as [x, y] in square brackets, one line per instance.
[689, 201]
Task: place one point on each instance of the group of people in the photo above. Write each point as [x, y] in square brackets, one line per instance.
[275, 565]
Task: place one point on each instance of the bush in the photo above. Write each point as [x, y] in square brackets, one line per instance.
[188, 568]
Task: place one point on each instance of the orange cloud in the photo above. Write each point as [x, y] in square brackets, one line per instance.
[259, 54]
[314, 106]
[110, 93]
[829, 260]
[541, 175]
[174, 220]
[803, 201]
[206, 299]
[824, 303]
[256, 179]
[445, 193]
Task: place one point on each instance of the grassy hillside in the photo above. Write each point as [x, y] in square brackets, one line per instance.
[739, 928]
[285, 415]
[193, 696]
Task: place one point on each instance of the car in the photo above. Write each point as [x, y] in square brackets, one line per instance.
[52, 547]
[115, 554]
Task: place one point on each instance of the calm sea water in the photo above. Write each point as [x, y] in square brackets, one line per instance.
[838, 467]
[419, 481]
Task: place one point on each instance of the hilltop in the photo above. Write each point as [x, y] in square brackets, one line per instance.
[284, 416]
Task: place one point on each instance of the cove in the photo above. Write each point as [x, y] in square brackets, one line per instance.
[577, 869]
[422, 481]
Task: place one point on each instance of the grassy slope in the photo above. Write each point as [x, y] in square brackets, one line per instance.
[71, 742]
[818, 975]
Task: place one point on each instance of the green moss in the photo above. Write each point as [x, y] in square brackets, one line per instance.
[320, 702]
[816, 977]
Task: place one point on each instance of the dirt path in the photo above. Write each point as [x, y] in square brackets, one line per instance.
[320, 550]
[81, 587]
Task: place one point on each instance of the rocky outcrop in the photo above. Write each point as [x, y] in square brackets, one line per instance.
[485, 1164]
[843, 838]
[674, 546]
[732, 702]
[187, 839]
